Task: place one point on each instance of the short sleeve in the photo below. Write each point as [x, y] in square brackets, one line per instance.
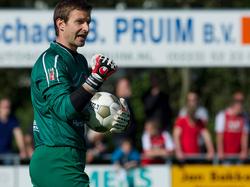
[202, 114]
[146, 144]
[169, 145]
[179, 122]
[220, 122]
[14, 122]
[183, 112]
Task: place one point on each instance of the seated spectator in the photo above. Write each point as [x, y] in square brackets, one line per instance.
[192, 100]
[96, 147]
[157, 145]
[231, 126]
[187, 130]
[9, 126]
[126, 158]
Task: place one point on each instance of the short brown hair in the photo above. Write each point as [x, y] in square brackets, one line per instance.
[64, 7]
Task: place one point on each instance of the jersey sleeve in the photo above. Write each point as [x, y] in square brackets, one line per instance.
[220, 122]
[146, 144]
[202, 114]
[179, 122]
[169, 145]
[14, 123]
[182, 112]
[53, 83]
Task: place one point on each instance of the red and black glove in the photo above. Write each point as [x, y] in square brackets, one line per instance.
[102, 68]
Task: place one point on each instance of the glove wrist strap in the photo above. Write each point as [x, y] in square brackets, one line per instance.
[94, 81]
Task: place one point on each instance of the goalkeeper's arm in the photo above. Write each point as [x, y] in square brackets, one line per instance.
[102, 68]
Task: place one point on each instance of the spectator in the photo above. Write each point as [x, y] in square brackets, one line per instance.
[192, 100]
[187, 130]
[156, 105]
[157, 145]
[123, 89]
[126, 159]
[231, 126]
[96, 147]
[8, 127]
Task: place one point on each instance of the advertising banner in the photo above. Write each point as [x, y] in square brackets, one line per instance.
[136, 38]
[109, 176]
[100, 176]
[211, 176]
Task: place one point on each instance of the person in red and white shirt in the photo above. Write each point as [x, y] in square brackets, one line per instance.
[231, 126]
[193, 100]
[157, 145]
[187, 130]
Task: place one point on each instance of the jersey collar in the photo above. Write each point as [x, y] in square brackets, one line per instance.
[61, 50]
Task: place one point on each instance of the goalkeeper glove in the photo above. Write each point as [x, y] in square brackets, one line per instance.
[121, 119]
[102, 68]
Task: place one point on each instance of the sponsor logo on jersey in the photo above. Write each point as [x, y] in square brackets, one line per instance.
[51, 74]
[35, 127]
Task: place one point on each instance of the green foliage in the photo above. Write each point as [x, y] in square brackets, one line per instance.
[140, 84]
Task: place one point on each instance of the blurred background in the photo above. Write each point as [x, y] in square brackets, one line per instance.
[181, 62]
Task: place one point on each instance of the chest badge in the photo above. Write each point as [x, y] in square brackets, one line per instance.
[51, 74]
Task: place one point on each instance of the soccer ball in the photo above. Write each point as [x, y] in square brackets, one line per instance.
[102, 108]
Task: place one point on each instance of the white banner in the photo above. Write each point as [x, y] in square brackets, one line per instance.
[100, 176]
[137, 38]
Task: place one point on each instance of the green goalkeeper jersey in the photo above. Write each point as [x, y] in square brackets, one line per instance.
[55, 75]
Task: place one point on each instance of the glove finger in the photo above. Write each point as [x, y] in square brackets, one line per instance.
[95, 59]
[105, 60]
[124, 104]
[122, 118]
[119, 125]
[110, 62]
[123, 113]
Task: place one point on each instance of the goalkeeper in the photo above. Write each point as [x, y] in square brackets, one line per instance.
[61, 86]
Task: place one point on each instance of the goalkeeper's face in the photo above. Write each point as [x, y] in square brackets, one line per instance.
[74, 32]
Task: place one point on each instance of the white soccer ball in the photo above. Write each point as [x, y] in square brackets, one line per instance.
[102, 108]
